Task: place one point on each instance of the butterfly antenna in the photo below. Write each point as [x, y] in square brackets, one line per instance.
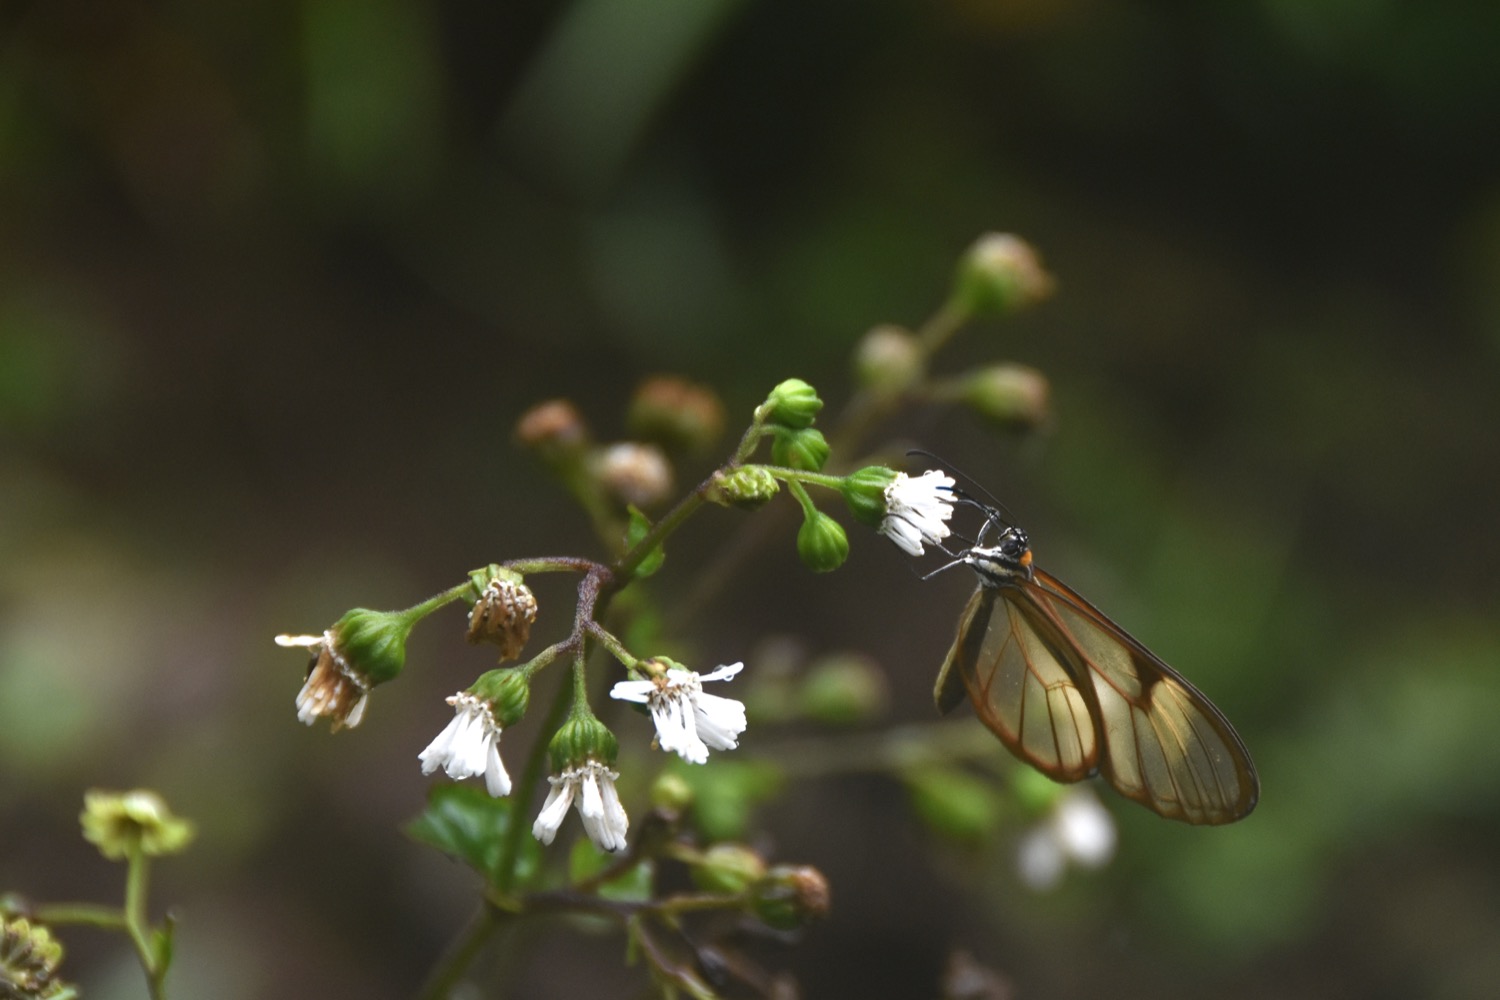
[995, 505]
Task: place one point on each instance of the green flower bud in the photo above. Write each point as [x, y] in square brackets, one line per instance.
[373, 643]
[793, 404]
[728, 869]
[671, 792]
[29, 960]
[790, 896]
[503, 612]
[864, 492]
[999, 274]
[955, 804]
[676, 413]
[582, 738]
[119, 822]
[508, 692]
[821, 543]
[887, 360]
[747, 487]
[806, 449]
[1012, 395]
[842, 690]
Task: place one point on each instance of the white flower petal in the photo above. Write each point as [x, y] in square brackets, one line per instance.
[496, 780]
[437, 751]
[916, 510]
[554, 809]
[723, 673]
[307, 641]
[637, 691]
[616, 824]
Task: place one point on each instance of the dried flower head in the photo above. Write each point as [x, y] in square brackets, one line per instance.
[333, 687]
[503, 615]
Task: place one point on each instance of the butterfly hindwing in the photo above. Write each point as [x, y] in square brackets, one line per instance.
[1165, 744]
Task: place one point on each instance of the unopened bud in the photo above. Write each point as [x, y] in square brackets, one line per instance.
[955, 804]
[821, 543]
[677, 413]
[637, 474]
[842, 690]
[864, 492]
[504, 611]
[806, 449]
[793, 404]
[999, 274]
[790, 896]
[748, 487]
[729, 869]
[1013, 395]
[670, 792]
[554, 428]
[888, 359]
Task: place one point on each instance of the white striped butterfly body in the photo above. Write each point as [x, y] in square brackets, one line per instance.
[1072, 694]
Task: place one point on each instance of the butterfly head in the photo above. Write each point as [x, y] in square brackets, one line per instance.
[1008, 560]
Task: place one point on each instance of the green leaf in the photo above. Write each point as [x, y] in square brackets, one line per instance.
[637, 529]
[468, 823]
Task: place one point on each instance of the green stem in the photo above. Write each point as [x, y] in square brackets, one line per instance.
[107, 918]
[521, 795]
[941, 326]
[461, 954]
[137, 882]
[615, 646]
[624, 569]
[417, 612]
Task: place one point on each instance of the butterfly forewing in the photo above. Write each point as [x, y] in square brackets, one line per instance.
[1021, 689]
[1072, 693]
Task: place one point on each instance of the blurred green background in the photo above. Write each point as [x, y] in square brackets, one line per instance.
[277, 277]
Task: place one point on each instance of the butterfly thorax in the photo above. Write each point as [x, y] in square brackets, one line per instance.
[1004, 563]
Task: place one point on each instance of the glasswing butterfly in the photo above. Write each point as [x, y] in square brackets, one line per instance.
[1073, 694]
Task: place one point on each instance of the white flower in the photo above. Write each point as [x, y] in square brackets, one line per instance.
[333, 688]
[1078, 829]
[469, 746]
[688, 722]
[591, 787]
[916, 510]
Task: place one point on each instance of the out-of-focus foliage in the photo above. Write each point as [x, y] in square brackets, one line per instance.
[276, 279]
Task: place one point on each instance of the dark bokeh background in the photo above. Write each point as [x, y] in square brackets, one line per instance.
[277, 277]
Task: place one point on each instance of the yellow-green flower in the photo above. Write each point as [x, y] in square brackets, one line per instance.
[118, 822]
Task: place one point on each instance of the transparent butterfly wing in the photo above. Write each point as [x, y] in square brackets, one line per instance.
[1070, 692]
[1020, 689]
